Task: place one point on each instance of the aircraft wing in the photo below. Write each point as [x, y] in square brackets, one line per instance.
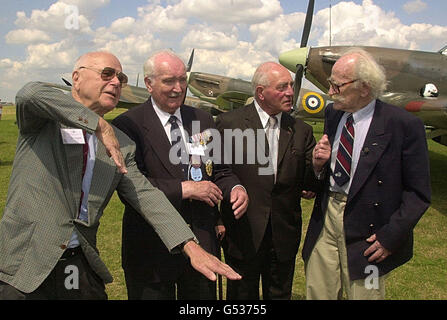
[230, 100]
[132, 96]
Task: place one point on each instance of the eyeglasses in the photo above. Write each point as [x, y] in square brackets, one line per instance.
[337, 87]
[109, 73]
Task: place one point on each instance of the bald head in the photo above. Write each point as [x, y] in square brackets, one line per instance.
[154, 61]
[273, 88]
[92, 90]
[166, 80]
[92, 58]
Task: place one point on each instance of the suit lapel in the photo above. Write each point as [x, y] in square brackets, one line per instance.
[156, 133]
[286, 132]
[376, 142]
[73, 154]
[103, 174]
[252, 121]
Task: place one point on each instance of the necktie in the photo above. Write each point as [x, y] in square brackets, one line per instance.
[176, 137]
[273, 142]
[342, 172]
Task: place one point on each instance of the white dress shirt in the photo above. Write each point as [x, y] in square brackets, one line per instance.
[362, 120]
[86, 183]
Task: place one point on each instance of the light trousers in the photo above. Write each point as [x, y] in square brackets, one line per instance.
[327, 273]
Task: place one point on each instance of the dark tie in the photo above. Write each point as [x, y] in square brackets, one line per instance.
[342, 172]
[176, 137]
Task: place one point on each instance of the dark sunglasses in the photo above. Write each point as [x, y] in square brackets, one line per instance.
[109, 73]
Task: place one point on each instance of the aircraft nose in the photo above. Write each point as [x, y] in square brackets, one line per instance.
[293, 57]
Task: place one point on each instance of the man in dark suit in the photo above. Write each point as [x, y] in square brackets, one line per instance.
[264, 242]
[377, 186]
[194, 186]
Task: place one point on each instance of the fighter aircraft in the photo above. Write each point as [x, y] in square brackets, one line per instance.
[229, 93]
[132, 96]
[216, 94]
[417, 80]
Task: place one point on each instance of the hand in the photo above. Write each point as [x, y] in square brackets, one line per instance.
[307, 194]
[104, 132]
[220, 231]
[321, 153]
[239, 199]
[203, 191]
[207, 264]
[379, 253]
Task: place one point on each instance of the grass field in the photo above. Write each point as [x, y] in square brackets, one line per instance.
[424, 277]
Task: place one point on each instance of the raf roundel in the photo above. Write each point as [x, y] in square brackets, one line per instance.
[312, 102]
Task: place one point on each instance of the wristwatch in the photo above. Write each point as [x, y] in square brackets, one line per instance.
[182, 245]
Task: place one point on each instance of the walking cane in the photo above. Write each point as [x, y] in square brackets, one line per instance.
[219, 277]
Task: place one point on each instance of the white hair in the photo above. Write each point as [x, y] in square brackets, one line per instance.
[368, 71]
[149, 65]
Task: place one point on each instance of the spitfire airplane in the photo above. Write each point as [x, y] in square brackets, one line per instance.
[229, 93]
[216, 94]
[417, 80]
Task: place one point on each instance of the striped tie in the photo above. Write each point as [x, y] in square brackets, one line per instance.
[342, 172]
[176, 137]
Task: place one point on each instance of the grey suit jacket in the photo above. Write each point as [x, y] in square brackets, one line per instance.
[42, 205]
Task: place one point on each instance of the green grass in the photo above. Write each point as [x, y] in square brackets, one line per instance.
[424, 277]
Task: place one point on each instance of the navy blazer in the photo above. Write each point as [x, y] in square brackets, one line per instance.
[389, 193]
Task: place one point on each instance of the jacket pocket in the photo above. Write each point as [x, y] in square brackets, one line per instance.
[15, 235]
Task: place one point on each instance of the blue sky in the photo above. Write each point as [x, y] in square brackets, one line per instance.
[231, 37]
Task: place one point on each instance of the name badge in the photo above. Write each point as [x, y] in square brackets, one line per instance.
[72, 136]
[196, 174]
[196, 149]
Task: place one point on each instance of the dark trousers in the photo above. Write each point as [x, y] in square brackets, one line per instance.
[276, 276]
[191, 285]
[71, 279]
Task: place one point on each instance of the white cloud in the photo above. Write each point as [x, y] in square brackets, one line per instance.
[414, 6]
[370, 25]
[25, 36]
[276, 35]
[52, 20]
[231, 37]
[54, 55]
[123, 25]
[229, 11]
[204, 37]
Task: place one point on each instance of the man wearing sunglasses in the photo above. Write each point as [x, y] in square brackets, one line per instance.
[68, 163]
[377, 186]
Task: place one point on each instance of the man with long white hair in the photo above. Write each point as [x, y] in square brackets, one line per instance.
[377, 186]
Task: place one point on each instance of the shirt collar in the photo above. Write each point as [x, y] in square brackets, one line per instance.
[364, 112]
[264, 116]
[361, 114]
[163, 115]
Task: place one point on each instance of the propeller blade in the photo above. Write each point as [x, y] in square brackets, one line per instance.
[297, 83]
[66, 82]
[307, 23]
[304, 39]
[191, 58]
